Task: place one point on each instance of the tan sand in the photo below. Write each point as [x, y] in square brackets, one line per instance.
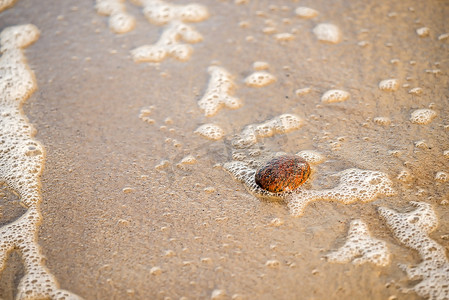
[111, 219]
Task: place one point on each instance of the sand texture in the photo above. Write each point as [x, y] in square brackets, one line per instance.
[137, 199]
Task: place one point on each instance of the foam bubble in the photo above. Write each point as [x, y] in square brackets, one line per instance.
[259, 79]
[441, 176]
[423, 31]
[273, 263]
[312, 157]
[355, 185]
[260, 65]
[303, 91]
[284, 36]
[446, 153]
[4, 4]
[443, 36]
[218, 93]
[333, 96]
[159, 12]
[218, 295]
[188, 160]
[327, 33]
[145, 114]
[22, 161]
[210, 131]
[361, 247]
[306, 12]
[278, 125]
[389, 85]
[412, 229]
[404, 176]
[169, 44]
[416, 91]
[383, 121]
[119, 21]
[422, 116]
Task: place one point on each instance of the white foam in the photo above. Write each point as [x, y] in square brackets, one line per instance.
[412, 229]
[446, 153]
[306, 12]
[303, 91]
[404, 176]
[259, 79]
[327, 33]
[21, 164]
[278, 125]
[416, 91]
[188, 160]
[333, 96]
[360, 247]
[389, 85]
[355, 185]
[219, 92]
[169, 44]
[4, 4]
[312, 157]
[145, 114]
[443, 36]
[423, 31]
[422, 116]
[119, 20]
[210, 131]
[159, 12]
[383, 121]
[441, 176]
[284, 36]
[260, 65]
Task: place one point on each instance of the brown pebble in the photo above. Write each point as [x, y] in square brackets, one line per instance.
[283, 173]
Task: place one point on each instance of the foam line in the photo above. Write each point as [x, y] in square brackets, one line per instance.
[21, 164]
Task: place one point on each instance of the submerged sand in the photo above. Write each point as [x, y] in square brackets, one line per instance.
[116, 227]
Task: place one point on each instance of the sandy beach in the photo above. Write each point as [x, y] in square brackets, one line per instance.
[136, 203]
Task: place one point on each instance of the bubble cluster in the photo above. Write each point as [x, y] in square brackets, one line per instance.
[284, 36]
[383, 121]
[21, 163]
[303, 91]
[361, 247]
[119, 20]
[169, 44]
[416, 91]
[329, 33]
[412, 229]
[389, 85]
[260, 65]
[423, 31]
[312, 157]
[210, 131]
[160, 13]
[422, 116]
[245, 174]
[145, 113]
[306, 12]
[259, 79]
[355, 185]
[4, 4]
[219, 92]
[441, 176]
[333, 96]
[279, 125]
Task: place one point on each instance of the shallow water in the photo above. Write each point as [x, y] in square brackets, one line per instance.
[201, 227]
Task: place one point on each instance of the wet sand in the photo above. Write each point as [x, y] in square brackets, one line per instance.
[103, 243]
